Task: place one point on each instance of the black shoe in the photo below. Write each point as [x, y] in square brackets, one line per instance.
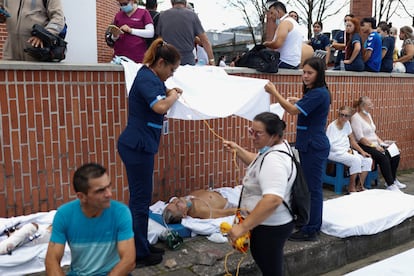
[300, 236]
[156, 250]
[151, 259]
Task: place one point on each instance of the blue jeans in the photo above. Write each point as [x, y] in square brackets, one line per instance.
[287, 66]
[312, 164]
[139, 167]
[409, 67]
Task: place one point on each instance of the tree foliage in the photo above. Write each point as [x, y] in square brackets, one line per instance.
[254, 14]
[317, 10]
[385, 9]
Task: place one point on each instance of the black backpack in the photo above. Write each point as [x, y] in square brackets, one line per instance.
[300, 196]
[261, 59]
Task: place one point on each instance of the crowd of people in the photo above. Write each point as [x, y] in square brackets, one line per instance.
[368, 46]
[116, 240]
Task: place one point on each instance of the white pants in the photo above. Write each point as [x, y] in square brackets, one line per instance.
[356, 162]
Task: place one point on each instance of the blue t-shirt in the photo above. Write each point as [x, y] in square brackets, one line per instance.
[374, 44]
[92, 241]
[388, 44]
[319, 42]
[310, 129]
[143, 130]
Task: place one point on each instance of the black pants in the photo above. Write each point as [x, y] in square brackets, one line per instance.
[388, 164]
[266, 246]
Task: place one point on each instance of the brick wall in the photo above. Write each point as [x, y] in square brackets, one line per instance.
[54, 118]
[105, 12]
[361, 8]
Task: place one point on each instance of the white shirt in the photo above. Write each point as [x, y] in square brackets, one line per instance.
[271, 178]
[338, 138]
[291, 50]
[362, 128]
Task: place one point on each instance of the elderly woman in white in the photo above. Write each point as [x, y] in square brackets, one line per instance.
[344, 149]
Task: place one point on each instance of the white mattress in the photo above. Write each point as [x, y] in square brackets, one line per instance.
[366, 213]
[30, 257]
[398, 265]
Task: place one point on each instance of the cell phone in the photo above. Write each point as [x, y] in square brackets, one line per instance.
[4, 12]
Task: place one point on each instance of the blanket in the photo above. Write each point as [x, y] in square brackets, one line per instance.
[30, 257]
[366, 213]
[209, 92]
[398, 265]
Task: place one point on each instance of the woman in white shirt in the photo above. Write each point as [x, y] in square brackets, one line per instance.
[344, 149]
[364, 129]
[267, 183]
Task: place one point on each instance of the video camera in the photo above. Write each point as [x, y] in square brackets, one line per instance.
[54, 47]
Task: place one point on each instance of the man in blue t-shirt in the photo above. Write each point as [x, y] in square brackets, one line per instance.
[372, 53]
[97, 229]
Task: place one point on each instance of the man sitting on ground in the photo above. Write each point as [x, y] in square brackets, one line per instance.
[198, 204]
[97, 229]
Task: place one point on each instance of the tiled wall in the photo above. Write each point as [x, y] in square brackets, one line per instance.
[52, 120]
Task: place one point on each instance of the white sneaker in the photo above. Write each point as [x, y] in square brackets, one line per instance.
[393, 188]
[399, 184]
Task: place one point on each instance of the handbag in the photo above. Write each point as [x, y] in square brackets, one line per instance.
[261, 59]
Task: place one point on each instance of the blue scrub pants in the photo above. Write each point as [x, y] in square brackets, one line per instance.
[312, 164]
[139, 167]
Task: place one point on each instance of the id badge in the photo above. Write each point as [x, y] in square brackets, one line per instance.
[165, 126]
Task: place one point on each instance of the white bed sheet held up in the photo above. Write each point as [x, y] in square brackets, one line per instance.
[209, 92]
[366, 213]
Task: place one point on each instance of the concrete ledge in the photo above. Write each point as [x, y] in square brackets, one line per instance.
[329, 253]
[63, 66]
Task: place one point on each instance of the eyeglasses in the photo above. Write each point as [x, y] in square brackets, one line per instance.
[344, 115]
[255, 133]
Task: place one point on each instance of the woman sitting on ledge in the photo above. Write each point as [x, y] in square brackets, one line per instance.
[407, 50]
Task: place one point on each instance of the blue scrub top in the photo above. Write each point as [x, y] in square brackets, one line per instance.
[143, 129]
[311, 124]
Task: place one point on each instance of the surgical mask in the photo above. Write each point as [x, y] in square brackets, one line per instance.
[365, 112]
[277, 21]
[128, 8]
[264, 149]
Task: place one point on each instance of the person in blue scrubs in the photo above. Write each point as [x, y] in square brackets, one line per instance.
[311, 140]
[149, 100]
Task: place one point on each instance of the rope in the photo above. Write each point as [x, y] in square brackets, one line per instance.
[238, 264]
[215, 134]
[237, 181]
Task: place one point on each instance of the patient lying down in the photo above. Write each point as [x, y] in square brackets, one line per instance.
[198, 204]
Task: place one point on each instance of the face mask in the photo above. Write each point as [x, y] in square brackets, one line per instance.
[365, 112]
[277, 21]
[128, 8]
[264, 149]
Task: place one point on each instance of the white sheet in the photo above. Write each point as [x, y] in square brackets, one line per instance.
[366, 213]
[398, 265]
[30, 257]
[209, 92]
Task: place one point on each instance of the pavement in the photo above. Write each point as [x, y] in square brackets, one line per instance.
[328, 256]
